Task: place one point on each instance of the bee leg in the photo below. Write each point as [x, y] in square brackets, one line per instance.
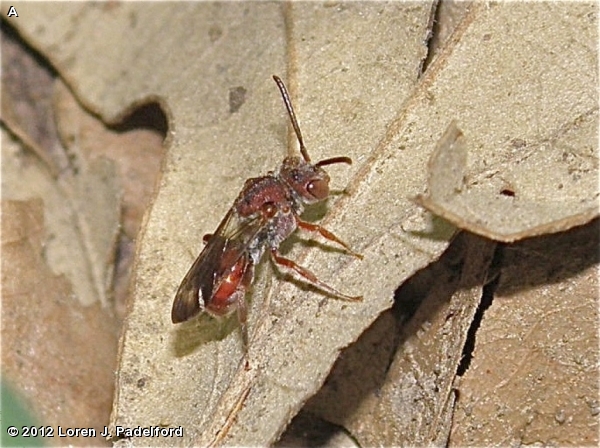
[242, 315]
[326, 234]
[310, 277]
[242, 308]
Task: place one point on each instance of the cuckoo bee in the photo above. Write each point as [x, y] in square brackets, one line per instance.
[266, 212]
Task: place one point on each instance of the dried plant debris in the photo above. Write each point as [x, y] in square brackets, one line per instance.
[549, 188]
[60, 312]
[56, 353]
[520, 82]
[533, 374]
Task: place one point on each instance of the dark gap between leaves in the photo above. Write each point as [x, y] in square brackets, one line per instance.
[307, 429]
[432, 41]
[367, 361]
[580, 245]
[148, 116]
[487, 297]
[10, 34]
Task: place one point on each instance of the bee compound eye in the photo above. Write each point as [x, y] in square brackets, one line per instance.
[318, 188]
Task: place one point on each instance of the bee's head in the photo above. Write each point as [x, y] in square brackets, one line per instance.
[309, 181]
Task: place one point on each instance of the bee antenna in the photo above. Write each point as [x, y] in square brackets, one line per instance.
[290, 109]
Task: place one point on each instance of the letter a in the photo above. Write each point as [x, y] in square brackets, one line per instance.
[12, 12]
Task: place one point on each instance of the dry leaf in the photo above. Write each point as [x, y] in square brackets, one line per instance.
[203, 385]
[534, 371]
[46, 335]
[82, 211]
[63, 361]
[136, 154]
[532, 168]
[307, 430]
[353, 78]
[526, 204]
[402, 390]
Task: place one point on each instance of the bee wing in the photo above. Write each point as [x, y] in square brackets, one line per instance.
[232, 235]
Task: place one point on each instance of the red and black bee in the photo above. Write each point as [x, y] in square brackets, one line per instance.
[266, 213]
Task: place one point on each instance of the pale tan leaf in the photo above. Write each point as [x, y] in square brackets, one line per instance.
[137, 153]
[549, 190]
[529, 115]
[226, 149]
[353, 71]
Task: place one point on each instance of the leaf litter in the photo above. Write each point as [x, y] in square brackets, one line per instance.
[351, 94]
